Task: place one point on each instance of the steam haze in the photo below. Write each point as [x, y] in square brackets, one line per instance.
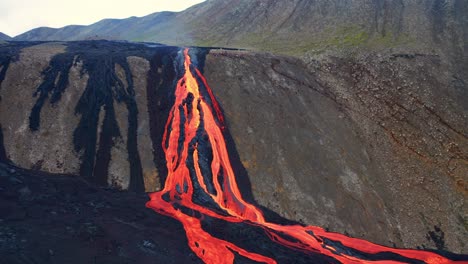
[19, 16]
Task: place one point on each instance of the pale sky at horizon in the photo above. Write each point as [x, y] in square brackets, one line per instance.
[19, 16]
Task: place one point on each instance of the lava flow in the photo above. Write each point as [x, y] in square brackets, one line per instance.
[201, 186]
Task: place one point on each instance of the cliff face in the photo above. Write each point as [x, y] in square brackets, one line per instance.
[350, 144]
[78, 105]
[373, 146]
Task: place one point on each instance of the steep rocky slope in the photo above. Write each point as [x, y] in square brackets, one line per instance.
[363, 134]
[375, 146]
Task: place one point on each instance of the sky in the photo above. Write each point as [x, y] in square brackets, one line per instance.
[19, 16]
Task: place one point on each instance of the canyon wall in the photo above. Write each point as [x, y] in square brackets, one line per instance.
[373, 146]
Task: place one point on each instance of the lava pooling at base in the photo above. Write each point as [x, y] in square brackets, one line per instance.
[201, 192]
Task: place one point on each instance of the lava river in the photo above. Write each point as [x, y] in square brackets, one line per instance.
[201, 189]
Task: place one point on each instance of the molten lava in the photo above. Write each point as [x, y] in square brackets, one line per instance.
[201, 184]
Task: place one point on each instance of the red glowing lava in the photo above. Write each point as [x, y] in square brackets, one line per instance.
[193, 116]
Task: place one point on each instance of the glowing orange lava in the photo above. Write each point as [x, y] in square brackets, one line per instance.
[193, 117]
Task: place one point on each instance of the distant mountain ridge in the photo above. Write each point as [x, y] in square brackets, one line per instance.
[4, 36]
[111, 29]
[293, 27]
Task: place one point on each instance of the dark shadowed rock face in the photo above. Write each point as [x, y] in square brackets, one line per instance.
[85, 98]
[375, 146]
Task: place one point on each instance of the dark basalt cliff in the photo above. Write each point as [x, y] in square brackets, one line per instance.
[374, 146]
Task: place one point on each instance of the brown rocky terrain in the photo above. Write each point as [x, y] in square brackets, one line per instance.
[373, 146]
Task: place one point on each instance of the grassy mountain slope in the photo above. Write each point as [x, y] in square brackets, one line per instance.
[291, 27]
